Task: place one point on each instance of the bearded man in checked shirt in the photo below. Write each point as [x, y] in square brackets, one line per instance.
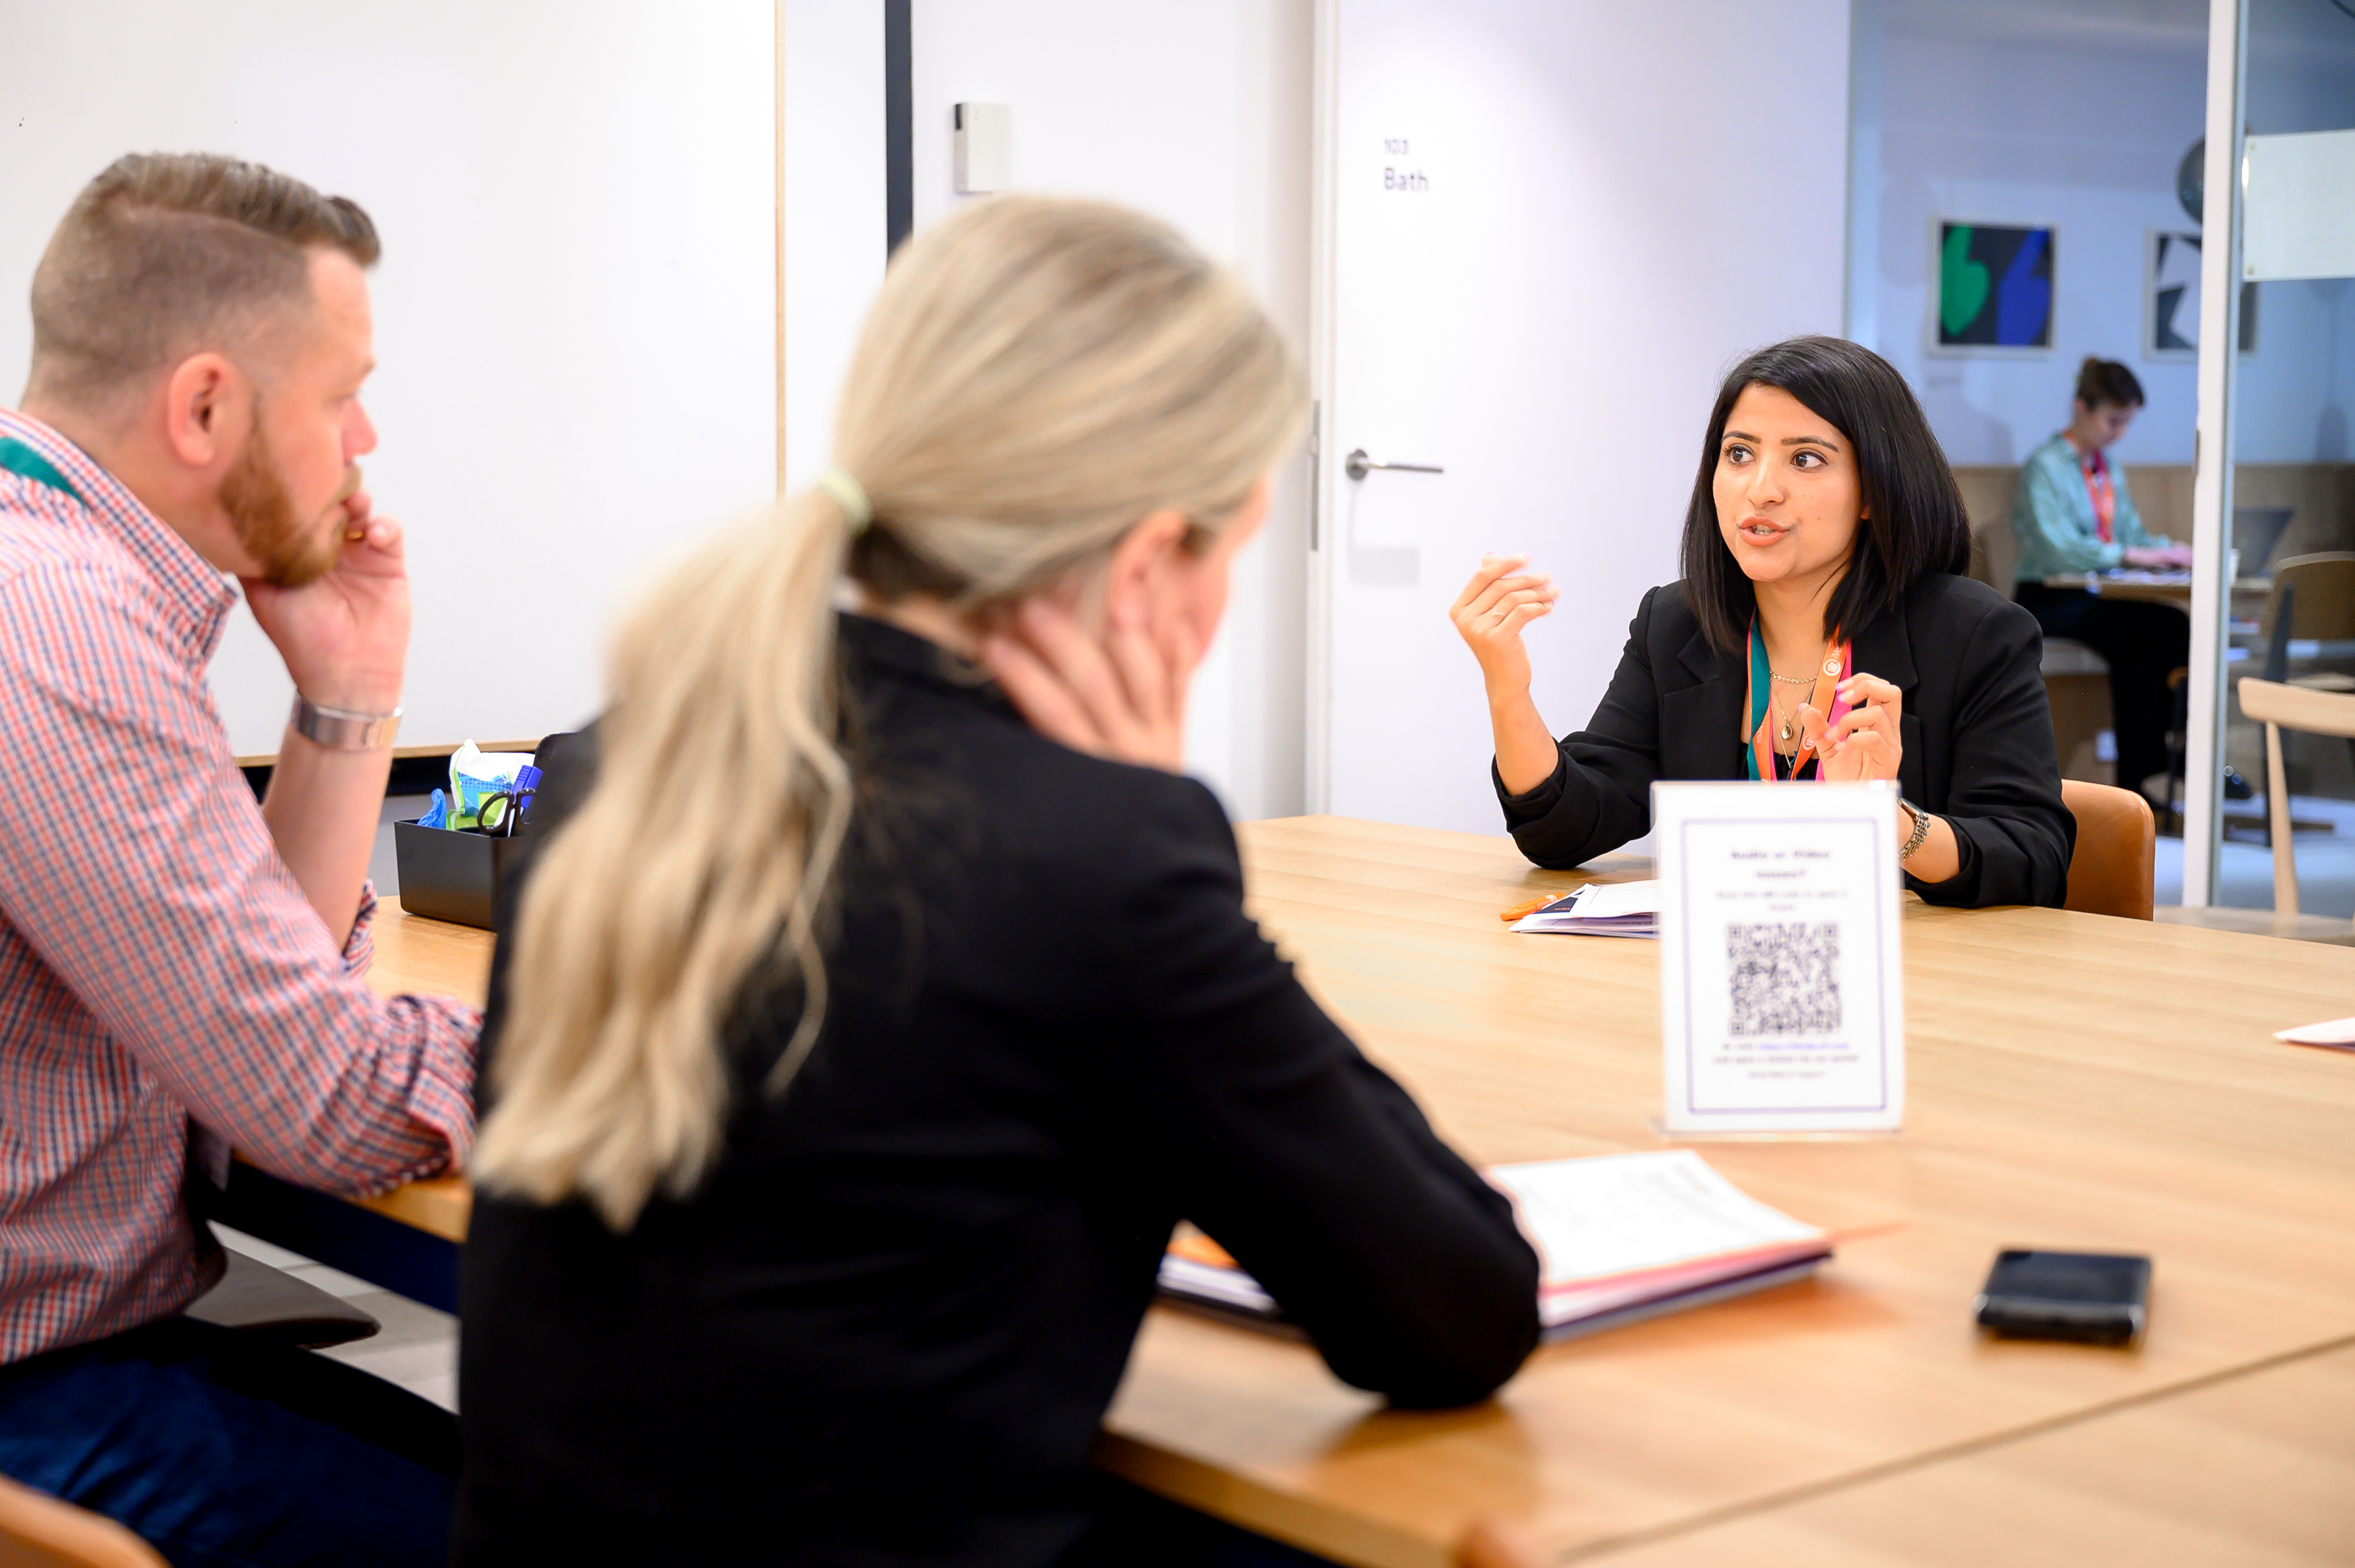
[181, 969]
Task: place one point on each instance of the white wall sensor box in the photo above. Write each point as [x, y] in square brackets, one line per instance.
[985, 148]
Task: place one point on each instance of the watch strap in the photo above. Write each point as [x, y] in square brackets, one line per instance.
[1920, 829]
[340, 729]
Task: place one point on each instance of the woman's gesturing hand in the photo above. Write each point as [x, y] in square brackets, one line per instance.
[1123, 698]
[1867, 742]
[1491, 612]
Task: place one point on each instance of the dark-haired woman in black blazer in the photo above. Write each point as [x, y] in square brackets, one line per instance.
[1822, 629]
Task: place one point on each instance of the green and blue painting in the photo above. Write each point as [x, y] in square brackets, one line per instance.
[1994, 286]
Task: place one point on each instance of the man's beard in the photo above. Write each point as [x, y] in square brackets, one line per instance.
[290, 551]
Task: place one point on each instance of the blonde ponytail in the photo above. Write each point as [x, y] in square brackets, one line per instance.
[1036, 378]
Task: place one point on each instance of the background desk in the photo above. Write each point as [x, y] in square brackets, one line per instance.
[2249, 594]
[2075, 1081]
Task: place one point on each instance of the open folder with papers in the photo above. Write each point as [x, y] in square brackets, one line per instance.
[1601, 909]
[1622, 1238]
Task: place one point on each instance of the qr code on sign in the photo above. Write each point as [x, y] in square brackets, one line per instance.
[1785, 977]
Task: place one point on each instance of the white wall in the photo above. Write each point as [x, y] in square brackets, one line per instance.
[575, 313]
[833, 221]
[1200, 114]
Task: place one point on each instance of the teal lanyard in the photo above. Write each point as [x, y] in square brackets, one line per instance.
[17, 458]
[1762, 687]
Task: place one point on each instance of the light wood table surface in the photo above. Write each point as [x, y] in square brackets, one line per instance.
[2254, 1470]
[2075, 1082]
[415, 954]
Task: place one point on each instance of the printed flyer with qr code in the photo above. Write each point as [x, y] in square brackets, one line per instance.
[1782, 985]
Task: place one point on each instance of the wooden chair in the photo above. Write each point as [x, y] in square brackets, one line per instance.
[2279, 705]
[2113, 869]
[2313, 601]
[37, 1531]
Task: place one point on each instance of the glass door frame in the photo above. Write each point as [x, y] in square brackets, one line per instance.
[2211, 485]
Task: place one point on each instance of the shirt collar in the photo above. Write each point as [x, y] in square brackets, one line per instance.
[196, 597]
[2088, 462]
[881, 646]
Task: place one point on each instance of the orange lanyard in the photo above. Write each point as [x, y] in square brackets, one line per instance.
[2104, 496]
[1838, 664]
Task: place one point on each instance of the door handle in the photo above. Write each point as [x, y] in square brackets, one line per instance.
[1357, 465]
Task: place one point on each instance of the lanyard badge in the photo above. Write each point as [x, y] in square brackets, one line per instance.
[1838, 664]
[2103, 494]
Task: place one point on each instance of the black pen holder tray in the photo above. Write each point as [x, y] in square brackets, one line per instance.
[452, 875]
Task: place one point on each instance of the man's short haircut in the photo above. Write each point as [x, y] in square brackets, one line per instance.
[169, 254]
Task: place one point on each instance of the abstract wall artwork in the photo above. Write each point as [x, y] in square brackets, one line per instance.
[2172, 313]
[1995, 288]
[2170, 316]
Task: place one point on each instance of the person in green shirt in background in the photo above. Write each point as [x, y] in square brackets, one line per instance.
[2072, 514]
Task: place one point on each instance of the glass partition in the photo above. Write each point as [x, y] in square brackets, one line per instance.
[2286, 497]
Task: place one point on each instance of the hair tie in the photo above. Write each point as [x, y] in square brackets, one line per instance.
[850, 496]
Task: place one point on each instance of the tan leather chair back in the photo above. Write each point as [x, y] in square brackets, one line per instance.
[37, 1531]
[2112, 872]
[1987, 499]
[2324, 609]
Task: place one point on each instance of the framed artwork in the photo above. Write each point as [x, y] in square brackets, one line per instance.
[2170, 312]
[1994, 292]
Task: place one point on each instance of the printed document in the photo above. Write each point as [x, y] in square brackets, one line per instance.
[1601, 909]
[1622, 1238]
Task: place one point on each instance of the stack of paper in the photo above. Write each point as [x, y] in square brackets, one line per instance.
[2338, 1033]
[1622, 1238]
[1601, 909]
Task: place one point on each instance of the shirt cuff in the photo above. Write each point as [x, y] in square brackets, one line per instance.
[1966, 870]
[360, 948]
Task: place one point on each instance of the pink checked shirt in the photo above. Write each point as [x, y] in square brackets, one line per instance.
[158, 963]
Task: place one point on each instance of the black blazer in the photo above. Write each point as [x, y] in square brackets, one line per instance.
[1976, 728]
[885, 1328]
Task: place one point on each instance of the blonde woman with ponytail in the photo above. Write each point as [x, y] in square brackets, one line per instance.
[880, 994]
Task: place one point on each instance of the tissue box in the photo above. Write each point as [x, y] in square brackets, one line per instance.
[452, 875]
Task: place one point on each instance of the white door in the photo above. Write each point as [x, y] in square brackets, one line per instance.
[1548, 228]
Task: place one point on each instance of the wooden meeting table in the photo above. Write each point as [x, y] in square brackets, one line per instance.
[2074, 1081]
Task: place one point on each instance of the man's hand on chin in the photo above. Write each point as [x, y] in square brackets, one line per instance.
[344, 634]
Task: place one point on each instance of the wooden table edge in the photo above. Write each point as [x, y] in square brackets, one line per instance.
[1602, 1550]
[438, 1206]
[1291, 1518]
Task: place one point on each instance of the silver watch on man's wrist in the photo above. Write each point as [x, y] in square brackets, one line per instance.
[340, 729]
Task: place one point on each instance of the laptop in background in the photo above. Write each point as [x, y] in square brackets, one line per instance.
[2256, 534]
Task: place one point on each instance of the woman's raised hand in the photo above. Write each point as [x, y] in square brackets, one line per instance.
[1867, 742]
[1491, 612]
[1123, 697]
